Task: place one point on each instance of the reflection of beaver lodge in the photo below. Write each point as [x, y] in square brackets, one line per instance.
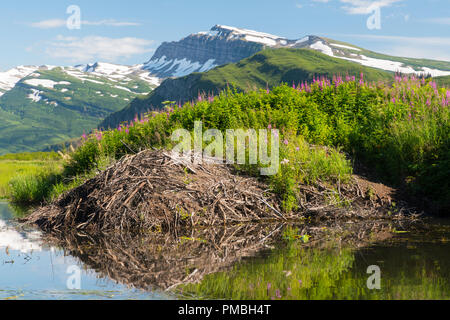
[156, 191]
[165, 261]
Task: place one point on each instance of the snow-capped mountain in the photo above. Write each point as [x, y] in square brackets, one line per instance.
[87, 72]
[203, 51]
[371, 59]
[119, 72]
[9, 78]
[221, 45]
[42, 106]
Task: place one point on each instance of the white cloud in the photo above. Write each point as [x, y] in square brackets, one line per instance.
[111, 23]
[59, 23]
[48, 24]
[357, 6]
[94, 48]
[299, 6]
[365, 6]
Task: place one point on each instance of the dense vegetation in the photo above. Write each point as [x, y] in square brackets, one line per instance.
[401, 131]
[60, 113]
[443, 81]
[25, 164]
[267, 68]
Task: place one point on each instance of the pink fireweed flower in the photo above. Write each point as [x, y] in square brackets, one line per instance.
[285, 161]
[84, 136]
[119, 128]
[99, 136]
[278, 294]
[428, 102]
[297, 148]
[393, 100]
[269, 127]
[127, 131]
[286, 142]
[275, 133]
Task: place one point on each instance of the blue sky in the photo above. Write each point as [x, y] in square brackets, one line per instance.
[128, 32]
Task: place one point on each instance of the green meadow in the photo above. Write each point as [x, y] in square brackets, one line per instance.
[25, 164]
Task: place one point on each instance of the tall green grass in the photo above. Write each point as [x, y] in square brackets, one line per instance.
[24, 165]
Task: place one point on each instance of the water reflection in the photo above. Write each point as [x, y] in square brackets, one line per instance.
[303, 261]
[414, 265]
[32, 269]
[10, 239]
[165, 261]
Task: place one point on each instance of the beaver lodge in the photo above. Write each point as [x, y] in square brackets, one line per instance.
[157, 191]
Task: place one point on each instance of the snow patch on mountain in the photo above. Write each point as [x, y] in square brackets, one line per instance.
[35, 95]
[180, 67]
[9, 78]
[117, 72]
[123, 88]
[344, 46]
[50, 84]
[263, 40]
[322, 47]
[255, 36]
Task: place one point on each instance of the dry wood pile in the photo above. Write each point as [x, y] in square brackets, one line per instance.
[154, 190]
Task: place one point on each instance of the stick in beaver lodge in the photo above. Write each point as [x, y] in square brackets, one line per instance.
[155, 190]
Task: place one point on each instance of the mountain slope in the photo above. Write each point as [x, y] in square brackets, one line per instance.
[221, 45]
[9, 78]
[443, 81]
[203, 51]
[369, 58]
[266, 68]
[50, 105]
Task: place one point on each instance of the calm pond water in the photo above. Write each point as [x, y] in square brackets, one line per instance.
[31, 270]
[413, 265]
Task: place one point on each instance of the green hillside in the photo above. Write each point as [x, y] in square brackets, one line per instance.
[53, 106]
[443, 81]
[416, 63]
[267, 68]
